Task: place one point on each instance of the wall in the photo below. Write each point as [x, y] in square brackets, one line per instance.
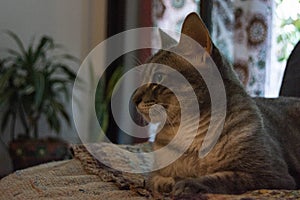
[77, 24]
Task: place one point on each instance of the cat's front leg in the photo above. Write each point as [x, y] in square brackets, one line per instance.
[221, 182]
[161, 184]
[190, 186]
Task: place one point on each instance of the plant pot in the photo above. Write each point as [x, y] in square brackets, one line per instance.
[29, 152]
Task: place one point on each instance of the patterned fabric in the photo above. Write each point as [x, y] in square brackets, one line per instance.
[167, 13]
[112, 157]
[242, 29]
[60, 180]
[85, 178]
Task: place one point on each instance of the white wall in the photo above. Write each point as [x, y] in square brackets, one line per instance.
[77, 24]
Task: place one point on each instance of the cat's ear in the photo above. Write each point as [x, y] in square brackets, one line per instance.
[166, 40]
[194, 27]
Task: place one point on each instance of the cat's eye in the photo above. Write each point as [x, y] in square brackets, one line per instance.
[158, 77]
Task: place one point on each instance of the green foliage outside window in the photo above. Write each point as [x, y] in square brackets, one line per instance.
[289, 28]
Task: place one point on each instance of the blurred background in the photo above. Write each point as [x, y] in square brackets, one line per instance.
[43, 43]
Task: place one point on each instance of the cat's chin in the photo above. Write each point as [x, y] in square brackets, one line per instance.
[163, 138]
[154, 118]
[145, 116]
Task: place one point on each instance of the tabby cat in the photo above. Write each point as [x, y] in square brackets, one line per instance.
[259, 147]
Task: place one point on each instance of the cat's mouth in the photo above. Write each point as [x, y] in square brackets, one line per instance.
[151, 111]
[144, 111]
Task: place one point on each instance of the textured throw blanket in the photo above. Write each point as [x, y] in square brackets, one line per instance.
[84, 177]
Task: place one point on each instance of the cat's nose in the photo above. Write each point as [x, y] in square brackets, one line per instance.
[145, 105]
[149, 102]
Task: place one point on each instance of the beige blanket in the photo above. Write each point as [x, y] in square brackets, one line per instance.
[84, 177]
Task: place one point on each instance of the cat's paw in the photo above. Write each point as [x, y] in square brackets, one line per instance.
[188, 187]
[162, 184]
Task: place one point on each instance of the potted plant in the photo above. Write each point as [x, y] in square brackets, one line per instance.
[34, 82]
[103, 96]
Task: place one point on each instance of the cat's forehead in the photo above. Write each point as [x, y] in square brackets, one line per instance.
[168, 58]
[181, 60]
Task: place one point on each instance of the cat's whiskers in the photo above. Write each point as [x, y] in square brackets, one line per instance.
[140, 71]
[167, 119]
[135, 59]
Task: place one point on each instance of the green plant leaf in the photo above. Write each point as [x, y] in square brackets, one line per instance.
[44, 44]
[100, 91]
[5, 78]
[2, 65]
[17, 40]
[39, 81]
[112, 82]
[30, 57]
[28, 90]
[58, 81]
[66, 70]
[103, 116]
[54, 122]
[15, 61]
[64, 90]
[5, 97]
[5, 119]
[65, 115]
[13, 52]
[297, 24]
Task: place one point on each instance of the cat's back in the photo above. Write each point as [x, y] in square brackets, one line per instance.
[283, 109]
[281, 115]
[281, 119]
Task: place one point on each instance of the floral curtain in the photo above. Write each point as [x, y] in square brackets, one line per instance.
[242, 29]
[170, 14]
